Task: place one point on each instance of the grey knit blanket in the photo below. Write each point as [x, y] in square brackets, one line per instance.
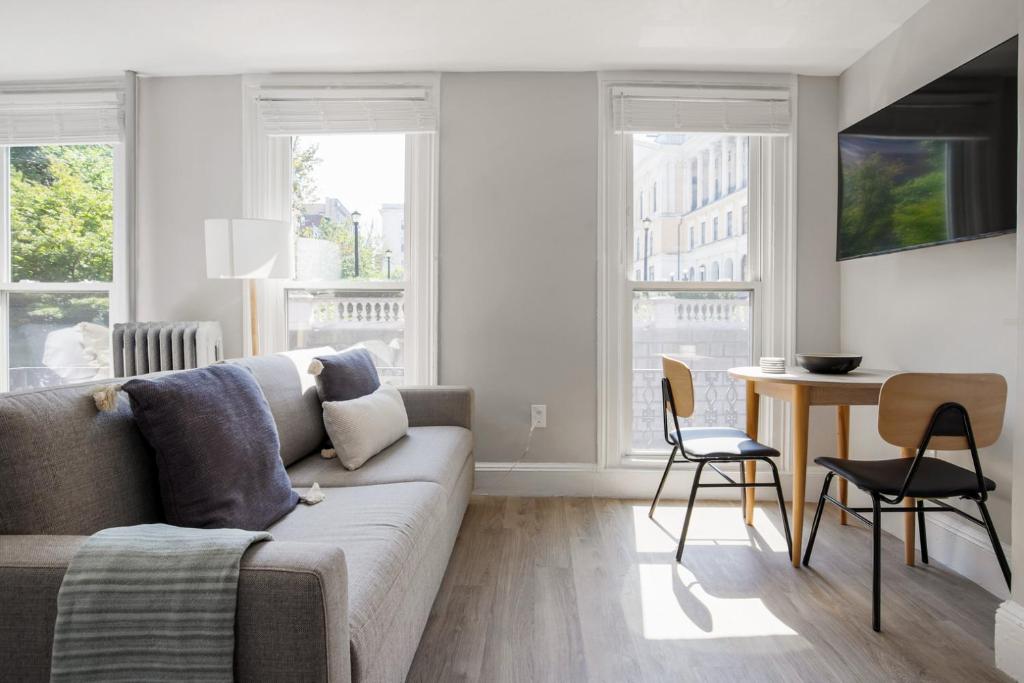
[150, 603]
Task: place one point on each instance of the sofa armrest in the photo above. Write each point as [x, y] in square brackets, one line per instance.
[291, 620]
[31, 571]
[438, 406]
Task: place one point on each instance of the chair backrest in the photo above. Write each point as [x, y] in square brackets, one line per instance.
[908, 402]
[680, 382]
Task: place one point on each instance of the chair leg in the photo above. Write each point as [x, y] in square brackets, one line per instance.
[996, 545]
[689, 510]
[661, 485]
[921, 531]
[743, 492]
[782, 506]
[817, 519]
[876, 564]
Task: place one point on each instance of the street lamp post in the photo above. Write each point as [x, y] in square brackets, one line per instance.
[387, 258]
[355, 222]
[647, 233]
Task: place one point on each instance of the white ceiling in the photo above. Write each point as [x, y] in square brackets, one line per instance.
[63, 38]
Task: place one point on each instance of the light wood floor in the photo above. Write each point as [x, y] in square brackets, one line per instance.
[580, 589]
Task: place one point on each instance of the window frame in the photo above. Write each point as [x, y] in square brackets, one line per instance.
[117, 289]
[771, 249]
[267, 193]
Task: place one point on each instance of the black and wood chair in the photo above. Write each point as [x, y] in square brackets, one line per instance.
[920, 411]
[707, 447]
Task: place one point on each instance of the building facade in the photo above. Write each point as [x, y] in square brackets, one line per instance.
[693, 190]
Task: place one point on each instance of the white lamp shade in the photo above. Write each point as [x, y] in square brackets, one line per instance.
[250, 248]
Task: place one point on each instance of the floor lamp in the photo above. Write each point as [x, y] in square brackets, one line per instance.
[249, 249]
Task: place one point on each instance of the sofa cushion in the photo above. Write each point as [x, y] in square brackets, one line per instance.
[291, 393]
[346, 375]
[434, 454]
[67, 469]
[217, 453]
[386, 532]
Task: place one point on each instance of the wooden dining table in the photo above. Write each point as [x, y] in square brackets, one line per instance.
[802, 389]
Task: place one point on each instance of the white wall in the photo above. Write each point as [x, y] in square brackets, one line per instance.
[518, 240]
[189, 169]
[518, 249]
[948, 308]
[817, 276]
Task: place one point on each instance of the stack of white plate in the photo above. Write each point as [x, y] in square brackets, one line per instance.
[774, 366]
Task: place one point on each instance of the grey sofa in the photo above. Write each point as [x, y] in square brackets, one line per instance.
[341, 594]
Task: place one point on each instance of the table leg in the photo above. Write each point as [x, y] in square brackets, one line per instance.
[842, 450]
[908, 518]
[750, 467]
[801, 413]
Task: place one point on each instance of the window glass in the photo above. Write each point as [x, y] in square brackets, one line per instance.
[56, 338]
[349, 192]
[60, 208]
[664, 242]
[374, 320]
[62, 213]
[349, 216]
[710, 332]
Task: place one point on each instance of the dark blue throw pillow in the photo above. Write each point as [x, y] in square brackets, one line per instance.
[347, 375]
[217, 451]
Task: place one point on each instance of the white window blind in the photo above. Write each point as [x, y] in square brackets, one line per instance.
[704, 109]
[56, 115]
[393, 109]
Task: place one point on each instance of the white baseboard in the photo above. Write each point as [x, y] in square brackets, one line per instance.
[586, 480]
[1009, 640]
[953, 542]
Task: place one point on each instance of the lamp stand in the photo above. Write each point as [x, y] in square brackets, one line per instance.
[254, 324]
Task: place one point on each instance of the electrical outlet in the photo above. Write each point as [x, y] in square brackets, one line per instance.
[539, 416]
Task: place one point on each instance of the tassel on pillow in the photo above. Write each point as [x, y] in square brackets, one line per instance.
[315, 367]
[328, 453]
[313, 496]
[106, 398]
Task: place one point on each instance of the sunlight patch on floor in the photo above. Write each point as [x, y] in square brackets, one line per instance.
[709, 525]
[676, 607]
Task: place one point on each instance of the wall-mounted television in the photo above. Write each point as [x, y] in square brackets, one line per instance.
[937, 166]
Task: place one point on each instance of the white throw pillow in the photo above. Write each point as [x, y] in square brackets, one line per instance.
[363, 427]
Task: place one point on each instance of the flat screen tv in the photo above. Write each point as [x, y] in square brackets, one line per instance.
[938, 166]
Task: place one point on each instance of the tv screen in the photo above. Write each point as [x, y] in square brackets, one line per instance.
[939, 165]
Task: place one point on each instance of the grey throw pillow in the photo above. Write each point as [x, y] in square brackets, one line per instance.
[216, 445]
[346, 375]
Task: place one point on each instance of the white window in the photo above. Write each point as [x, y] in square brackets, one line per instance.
[351, 162]
[63, 230]
[715, 318]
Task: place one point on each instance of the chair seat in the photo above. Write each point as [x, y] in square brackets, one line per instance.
[722, 443]
[934, 478]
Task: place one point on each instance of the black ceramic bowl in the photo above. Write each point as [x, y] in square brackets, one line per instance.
[828, 363]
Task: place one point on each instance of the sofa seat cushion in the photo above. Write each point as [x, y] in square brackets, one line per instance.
[385, 532]
[433, 454]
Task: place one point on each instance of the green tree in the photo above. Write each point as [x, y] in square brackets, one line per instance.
[371, 250]
[304, 188]
[62, 213]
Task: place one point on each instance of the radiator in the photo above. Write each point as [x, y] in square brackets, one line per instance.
[140, 348]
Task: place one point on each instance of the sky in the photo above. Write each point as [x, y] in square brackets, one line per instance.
[363, 171]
